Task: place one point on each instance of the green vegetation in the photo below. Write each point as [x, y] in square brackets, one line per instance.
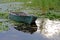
[44, 6]
[3, 24]
[52, 16]
[3, 27]
[4, 15]
[48, 15]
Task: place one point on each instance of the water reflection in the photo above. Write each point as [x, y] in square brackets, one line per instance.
[21, 32]
[26, 28]
[49, 28]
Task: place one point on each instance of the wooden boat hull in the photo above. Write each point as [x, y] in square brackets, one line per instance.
[25, 19]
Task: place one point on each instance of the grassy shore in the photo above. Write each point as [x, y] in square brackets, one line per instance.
[52, 15]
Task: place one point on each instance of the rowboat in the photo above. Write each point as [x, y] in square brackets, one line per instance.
[22, 17]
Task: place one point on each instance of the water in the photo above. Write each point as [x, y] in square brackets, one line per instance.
[50, 28]
[22, 32]
[14, 34]
[25, 32]
[12, 6]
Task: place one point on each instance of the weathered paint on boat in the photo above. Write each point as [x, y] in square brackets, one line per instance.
[22, 18]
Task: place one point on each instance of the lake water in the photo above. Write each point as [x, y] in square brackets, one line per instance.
[12, 6]
[27, 32]
[13, 34]
[22, 32]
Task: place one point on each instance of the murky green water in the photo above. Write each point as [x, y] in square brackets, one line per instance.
[22, 32]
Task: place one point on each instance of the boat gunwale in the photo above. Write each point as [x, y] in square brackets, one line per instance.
[20, 14]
